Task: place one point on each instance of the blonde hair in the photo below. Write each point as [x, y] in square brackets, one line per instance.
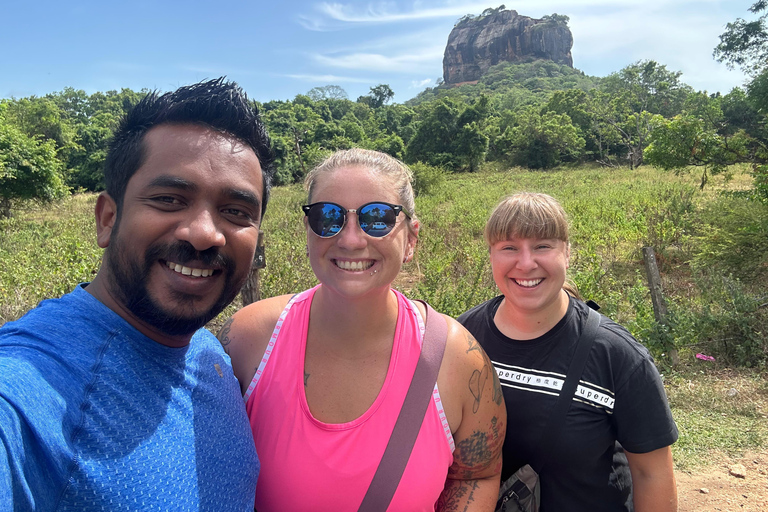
[375, 161]
[529, 215]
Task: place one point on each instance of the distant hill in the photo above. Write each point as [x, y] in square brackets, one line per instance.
[530, 81]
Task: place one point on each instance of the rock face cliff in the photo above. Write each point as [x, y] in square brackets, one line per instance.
[476, 44]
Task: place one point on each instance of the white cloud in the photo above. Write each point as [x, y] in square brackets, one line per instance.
[387, 12]
[416, 84]
[382, 13]
[403, 63]
[330, 79]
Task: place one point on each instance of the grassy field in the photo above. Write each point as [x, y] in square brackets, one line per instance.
[711, 252]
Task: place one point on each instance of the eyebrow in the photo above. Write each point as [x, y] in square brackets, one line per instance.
[165, 181]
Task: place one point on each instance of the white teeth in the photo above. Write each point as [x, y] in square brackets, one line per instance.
[188, 271]
[354, 265]
[528, 283]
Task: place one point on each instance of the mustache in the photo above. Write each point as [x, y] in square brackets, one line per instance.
[183, 252]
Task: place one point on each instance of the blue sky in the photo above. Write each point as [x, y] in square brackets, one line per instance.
[277, 49]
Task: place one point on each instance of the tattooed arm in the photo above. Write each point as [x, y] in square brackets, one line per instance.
[473, 479]
[245, 336]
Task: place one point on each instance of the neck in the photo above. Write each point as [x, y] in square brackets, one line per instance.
[354, 326]
[528, 325]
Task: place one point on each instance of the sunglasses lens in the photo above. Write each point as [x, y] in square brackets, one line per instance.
[325, 219]
[377, 219]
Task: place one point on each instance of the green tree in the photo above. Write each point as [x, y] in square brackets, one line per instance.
[29, 168]
[689, 140]
[556, 19]
[542, 140]
[648, 86]
[327, 92]
[471, 146]
[745, 43]
[41, 117]
[379, 96]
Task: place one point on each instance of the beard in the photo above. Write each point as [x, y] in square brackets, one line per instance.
[129, 279]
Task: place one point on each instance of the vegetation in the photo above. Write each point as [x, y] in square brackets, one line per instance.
[716, 295]
[712, 254]
[606, 145]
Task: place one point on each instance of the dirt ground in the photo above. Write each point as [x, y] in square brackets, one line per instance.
[714, 488]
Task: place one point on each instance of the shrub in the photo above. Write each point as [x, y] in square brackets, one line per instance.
[426, 178]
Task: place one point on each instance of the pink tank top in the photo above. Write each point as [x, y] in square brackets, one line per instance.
[310, 465]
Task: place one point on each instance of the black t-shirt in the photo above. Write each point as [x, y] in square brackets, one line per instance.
[620, 398]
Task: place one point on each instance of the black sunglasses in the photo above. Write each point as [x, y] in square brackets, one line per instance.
[376, 219]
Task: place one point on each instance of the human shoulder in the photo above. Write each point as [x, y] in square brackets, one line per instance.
[615, 338]
[467, 373]
[246, 334]
[253, 318]
[616, 351]
[480, 312]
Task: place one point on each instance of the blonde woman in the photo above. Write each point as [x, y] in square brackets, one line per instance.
[323, 397]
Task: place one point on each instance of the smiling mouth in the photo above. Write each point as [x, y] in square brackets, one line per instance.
[354, 265]
[189, 271]
[528, 283]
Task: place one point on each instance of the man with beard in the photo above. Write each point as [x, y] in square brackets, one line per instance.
[113, 397]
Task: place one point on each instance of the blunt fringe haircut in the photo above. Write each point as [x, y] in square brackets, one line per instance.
[392, 169]
[217, 104]
[527, 215]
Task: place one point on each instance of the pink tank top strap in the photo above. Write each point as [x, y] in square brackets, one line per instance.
[273, 341]
[435, 391]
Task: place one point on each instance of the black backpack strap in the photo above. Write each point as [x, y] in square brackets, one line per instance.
[572, 378]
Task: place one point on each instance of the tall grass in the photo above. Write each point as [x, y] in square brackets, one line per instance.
[710, 251]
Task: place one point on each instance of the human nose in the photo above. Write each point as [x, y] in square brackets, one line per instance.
[201, 230]
[526, 260]
[351, 235]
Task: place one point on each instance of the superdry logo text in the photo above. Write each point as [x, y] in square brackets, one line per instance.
[537, 381]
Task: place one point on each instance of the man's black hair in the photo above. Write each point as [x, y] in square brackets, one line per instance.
[217, 104]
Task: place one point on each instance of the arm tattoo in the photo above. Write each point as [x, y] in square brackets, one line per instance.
[477, 452]
[453, 496]
[476, 384]
[223, 335]
[479, 377]
[473, 454]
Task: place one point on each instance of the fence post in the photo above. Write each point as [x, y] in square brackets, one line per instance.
[250, 292]
[657, 296]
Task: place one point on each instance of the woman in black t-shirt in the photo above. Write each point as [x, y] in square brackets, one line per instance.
[613, 451]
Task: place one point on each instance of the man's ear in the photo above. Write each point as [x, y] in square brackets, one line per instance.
[106, 216]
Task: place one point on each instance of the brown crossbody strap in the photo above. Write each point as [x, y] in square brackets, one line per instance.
[398, 451]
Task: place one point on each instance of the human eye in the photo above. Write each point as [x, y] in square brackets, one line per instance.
[166, 201]
[543, 245]
[238, 215]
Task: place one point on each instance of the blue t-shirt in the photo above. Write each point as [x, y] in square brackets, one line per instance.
[96, 416]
